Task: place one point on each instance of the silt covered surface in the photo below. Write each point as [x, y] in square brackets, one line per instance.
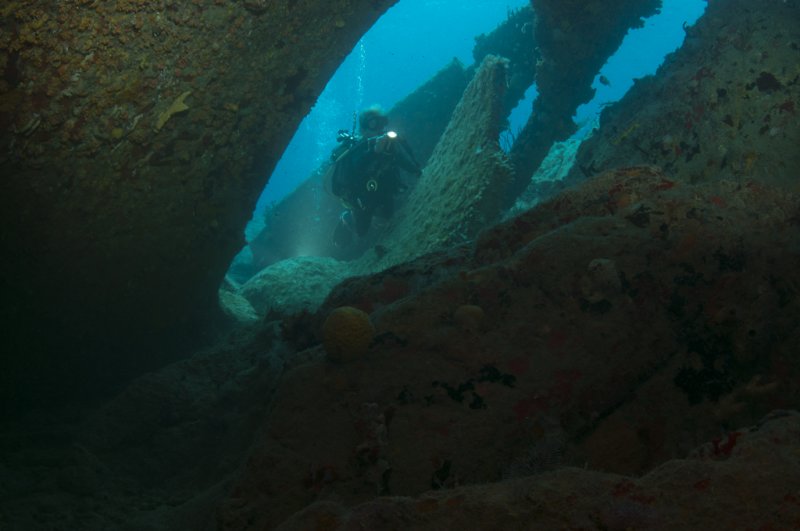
[624, 355]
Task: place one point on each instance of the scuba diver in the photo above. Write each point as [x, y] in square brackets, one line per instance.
[365, 174]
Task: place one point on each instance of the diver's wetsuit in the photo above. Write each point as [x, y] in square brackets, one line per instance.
[366, 176]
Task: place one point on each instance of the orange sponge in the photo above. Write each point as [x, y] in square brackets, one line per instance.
[346, 334]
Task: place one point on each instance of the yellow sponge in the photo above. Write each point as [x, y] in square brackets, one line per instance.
[346, 334]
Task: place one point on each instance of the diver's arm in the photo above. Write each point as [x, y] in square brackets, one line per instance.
[392, 145]
[405, 157]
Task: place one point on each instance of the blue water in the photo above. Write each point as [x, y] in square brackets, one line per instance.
[415, 39]
[410, 43]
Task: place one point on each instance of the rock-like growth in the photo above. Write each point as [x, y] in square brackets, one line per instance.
[346, 334]
[294, 285]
